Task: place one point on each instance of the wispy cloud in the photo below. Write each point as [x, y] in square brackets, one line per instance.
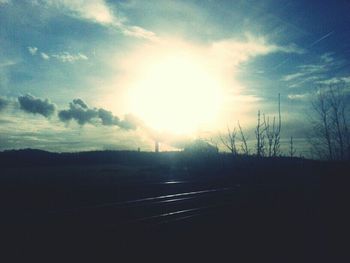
[292, 48]
[98, 11]
[44, 55]
[327, 57]
[138, 32]
[297, 96]
[239, 51]
[68, 57]
[316, 73]
[293, 76]
[93, 10]
[64, 56]
[7, 63]
[335, 80]
[4, 2]
[306, 73]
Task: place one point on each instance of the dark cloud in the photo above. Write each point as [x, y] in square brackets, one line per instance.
[3, 103]
[81, 103]
[107, 117]
[80, 112]
[35, 105]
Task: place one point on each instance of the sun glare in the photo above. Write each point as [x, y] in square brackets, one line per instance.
[176, 93]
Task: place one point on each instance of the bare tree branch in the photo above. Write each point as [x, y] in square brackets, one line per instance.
[244, 145]
[229, 141]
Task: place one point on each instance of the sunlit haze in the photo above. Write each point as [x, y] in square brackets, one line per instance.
[92, 75]
[176, 92]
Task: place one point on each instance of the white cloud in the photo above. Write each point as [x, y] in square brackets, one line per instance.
[33, 50]
[297, 96]
[238, 51]
[61, 56]
[313, 68]
[312, 72]
[68, 57]
[7, 63]
[44, 56]
[334, 80]
[95, 10]
[98, 11]
[306, 79]
[4, 2]
[327, 57]
[293, 76]
[139, 32]
[292, 48]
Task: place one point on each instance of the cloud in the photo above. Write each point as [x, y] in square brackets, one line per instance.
[32, 50]
[64, 56]
[238, 51]
[4, 2]
[313, 68]
[44, 56]
[98, 11]
[327, 57]
[67, 57]
[317, 73]
[334, 80]
[3, 103]
[81, 103]
[297, 96]
[80, 112]
[7, 63]
[293, 76]
[130, 122]
[35, 105]
[107, 118]
[139, 32]
[93, 10]
[307, 74]
[292, 48]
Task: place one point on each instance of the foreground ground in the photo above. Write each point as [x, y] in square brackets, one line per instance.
[246, 210]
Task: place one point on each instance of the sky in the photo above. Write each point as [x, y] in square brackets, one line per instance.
[79, 75]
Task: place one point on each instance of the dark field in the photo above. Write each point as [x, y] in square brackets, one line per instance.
[172, 206]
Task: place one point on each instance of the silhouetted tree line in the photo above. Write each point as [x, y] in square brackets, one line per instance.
[330, 138]
[267, 135]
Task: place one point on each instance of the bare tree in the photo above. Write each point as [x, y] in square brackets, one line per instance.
[277, 130]
[270, 134]
[244, 145]
[214, 143]
[336, 107]
[292, 150]
[260, 132]
[273, 131]
[229, 141]
[331, 138]
[322, 124]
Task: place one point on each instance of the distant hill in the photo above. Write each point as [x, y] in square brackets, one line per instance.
[193, 162]
[33, 157]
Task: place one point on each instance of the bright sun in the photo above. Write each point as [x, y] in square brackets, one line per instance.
[176, 93]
